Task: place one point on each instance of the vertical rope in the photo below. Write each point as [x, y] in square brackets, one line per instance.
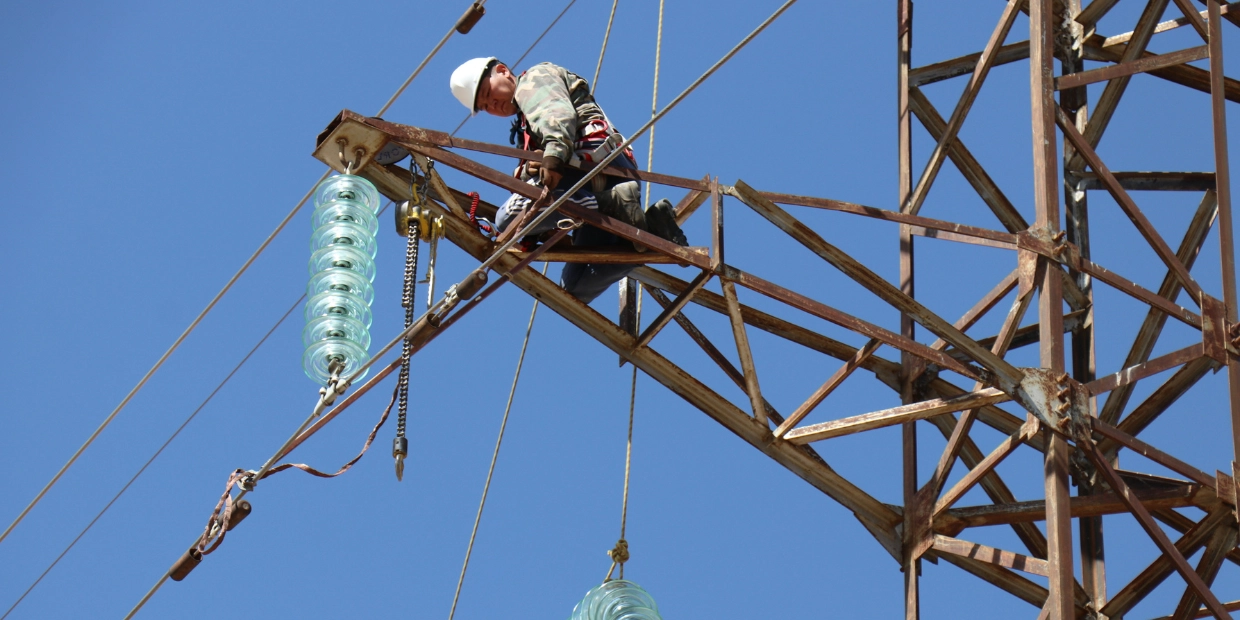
[620, 554]
[495, 456]
[654, 99]
[601, 52]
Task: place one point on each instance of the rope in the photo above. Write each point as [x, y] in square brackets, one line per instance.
[620, 553]
[495, 456]
[527, 53]
[211, 304]
[601, 52]
[654, 99]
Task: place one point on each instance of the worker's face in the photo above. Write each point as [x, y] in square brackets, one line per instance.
[495, 92]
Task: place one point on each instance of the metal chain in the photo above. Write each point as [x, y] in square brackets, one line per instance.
[400, 445]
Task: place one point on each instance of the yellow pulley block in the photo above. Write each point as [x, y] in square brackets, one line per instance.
[430, 226]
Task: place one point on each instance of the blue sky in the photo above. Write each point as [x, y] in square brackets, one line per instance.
[152, 146]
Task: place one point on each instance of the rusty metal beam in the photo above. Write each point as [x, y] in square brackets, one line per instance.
[1125, 69]
[876, 284]
[1160, 538]
[895, 415]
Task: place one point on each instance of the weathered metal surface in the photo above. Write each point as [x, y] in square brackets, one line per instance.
[1124, 69]
[1133, 374]
[1160, 538]
[991, 555]
[1152, 326]
[895, 415]
[1150, 181]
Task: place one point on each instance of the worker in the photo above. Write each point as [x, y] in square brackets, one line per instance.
[558, 120]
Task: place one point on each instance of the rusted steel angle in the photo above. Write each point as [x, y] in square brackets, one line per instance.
[990, 555]
[895, 415]
[964, 65]
[1183, 524]
[983, 305]
[743, 351]
[965, 424]
[677, 380]
[1005, 579]
[1227, 10]
[1141, 371]
[1081, 506]
[1223, 541]
[968, 165]
[1152, 453]
[714, 353]
[1184, 75]
[1161, 399]
[832, 382]
[948, 236]
[992, 460]
[1151, 181]
[690, 203]
[1148, 579]
[1144, 226]
[980, 70]
[1067, 254]
[847, 321]
[876, 284]
[1028, 334]
[1147, 523]
[1206, 613]
[886, 371]
[1089, 16]
[1102, 111]
[993, 485]
[673, 309]
[1140, 65]
[889, 216]
[1193, 18]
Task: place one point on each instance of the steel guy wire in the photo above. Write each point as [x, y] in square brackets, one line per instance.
[210, 305]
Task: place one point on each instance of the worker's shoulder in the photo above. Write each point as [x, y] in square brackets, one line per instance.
[545, 71]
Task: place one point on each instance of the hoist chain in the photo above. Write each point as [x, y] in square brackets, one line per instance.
[400, 445]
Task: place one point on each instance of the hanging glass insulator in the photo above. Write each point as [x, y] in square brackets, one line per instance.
[338, 303]
[617, 600]
[344, 257]
[346, 211]
[342, 280]
[342, 267]
[343, 233]
[348, 187]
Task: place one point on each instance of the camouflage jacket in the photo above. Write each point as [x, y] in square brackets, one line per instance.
[555, 102]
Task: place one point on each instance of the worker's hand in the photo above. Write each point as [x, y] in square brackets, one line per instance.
[550, 171]
[532, 167]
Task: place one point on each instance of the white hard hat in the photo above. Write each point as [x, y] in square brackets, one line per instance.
[466, 78]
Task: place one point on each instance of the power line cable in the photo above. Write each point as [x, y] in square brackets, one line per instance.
[205, 311]
[486, 488]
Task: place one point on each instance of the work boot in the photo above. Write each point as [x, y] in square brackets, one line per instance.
[661, 221]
